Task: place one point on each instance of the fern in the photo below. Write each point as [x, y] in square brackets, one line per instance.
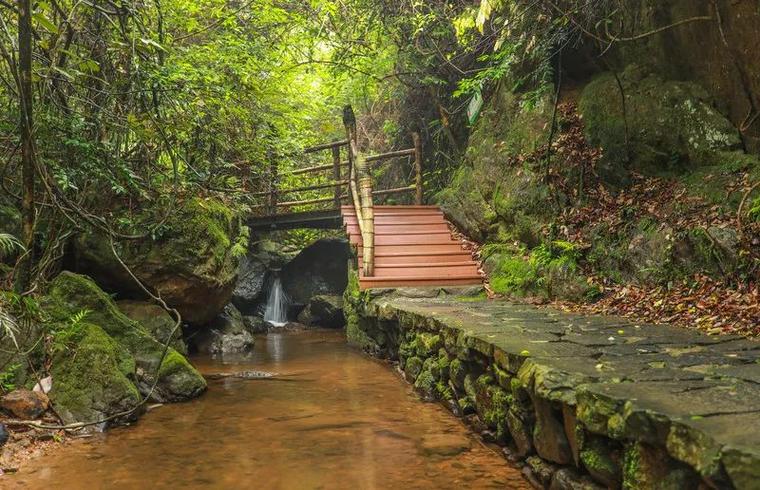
[68, 333]
[9, 245]
[8, 325]
[240, 248]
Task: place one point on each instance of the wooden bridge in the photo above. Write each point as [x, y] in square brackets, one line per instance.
[397, 244]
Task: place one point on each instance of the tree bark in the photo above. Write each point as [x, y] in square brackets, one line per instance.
[24, 271]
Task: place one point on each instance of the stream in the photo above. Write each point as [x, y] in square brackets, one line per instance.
[331, 418]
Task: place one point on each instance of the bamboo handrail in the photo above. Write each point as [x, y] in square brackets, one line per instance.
[316, 187]
[391, 154]
[361, 192]
[316, 169]
[397, 190]
[326, 146]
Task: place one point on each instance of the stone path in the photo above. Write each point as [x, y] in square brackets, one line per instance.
[697, 396]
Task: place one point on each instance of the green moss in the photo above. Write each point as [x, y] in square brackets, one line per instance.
[514, 276]
[427, 344]
[425, 382]
[71, 293]
[413, 368]
[93, 381]
[602, 459]
[353, 299]
[457, 373]
[671, 125]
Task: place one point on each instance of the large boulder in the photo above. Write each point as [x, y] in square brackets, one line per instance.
[72, 295]
[192, 264]
[672, 126]
[321, 268]
[156, 320]
[227, 335]
[94, 380]
[253, 273]
[324, 311]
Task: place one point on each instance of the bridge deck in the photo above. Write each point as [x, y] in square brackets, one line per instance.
[322, 220]
[413, 247]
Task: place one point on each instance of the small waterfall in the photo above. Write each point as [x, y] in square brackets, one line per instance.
[276, 311]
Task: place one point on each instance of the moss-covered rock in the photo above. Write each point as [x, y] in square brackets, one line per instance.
[425, 384]
[672, 126]
[602, 458]
[191, 264]
[156, 320]
[93, 381]
[178, 380]
[649, 468]
[463, 204]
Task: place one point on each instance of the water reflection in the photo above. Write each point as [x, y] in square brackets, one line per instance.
[275, 348]
[334, 420]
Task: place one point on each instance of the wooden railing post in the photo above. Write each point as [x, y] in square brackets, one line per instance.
[361, 179]
[273, 178]
[418, 166]
[336, 174]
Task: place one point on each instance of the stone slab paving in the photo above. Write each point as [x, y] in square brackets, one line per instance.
[696, 395]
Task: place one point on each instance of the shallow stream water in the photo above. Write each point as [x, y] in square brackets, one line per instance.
[331, 419]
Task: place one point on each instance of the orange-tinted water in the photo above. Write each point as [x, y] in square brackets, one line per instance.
[335, 420]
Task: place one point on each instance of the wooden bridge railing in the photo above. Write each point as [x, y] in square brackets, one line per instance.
[355, 184]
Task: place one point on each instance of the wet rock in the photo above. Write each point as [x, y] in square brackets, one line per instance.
[25, 404]
[253, 273]
[4, 436]
[542, 470]
[549, 434]
[156, 320]
[649, 468]
[324, 311]
[226, 335]
[602, 459]
[521, 434]
[178, 380]
[567, 479]
[255, 324]
[320, 269]
[445, 444]
[425, 383]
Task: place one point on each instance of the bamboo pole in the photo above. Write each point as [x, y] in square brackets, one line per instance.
[326, 146]
[362, 198]
[336, 174]
[319, 168]
[418, 166]
[391, 154]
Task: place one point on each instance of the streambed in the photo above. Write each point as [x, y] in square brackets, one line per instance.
[331, 418]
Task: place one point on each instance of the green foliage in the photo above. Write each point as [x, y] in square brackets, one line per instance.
[66, 334]
[8, 378]
[9, 245]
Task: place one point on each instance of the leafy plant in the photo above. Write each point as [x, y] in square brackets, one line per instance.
[8, 378]
[67, 333]
[9, 245]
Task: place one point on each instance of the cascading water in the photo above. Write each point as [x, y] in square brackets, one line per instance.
[276, 312]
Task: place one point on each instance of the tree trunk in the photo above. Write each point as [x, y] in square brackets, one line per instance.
[23, 278]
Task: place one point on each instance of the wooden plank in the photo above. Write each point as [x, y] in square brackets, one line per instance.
[416, 239]
[440, 272]
[452, 247]
[430, 260]
[370, 283]
[393, 229]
